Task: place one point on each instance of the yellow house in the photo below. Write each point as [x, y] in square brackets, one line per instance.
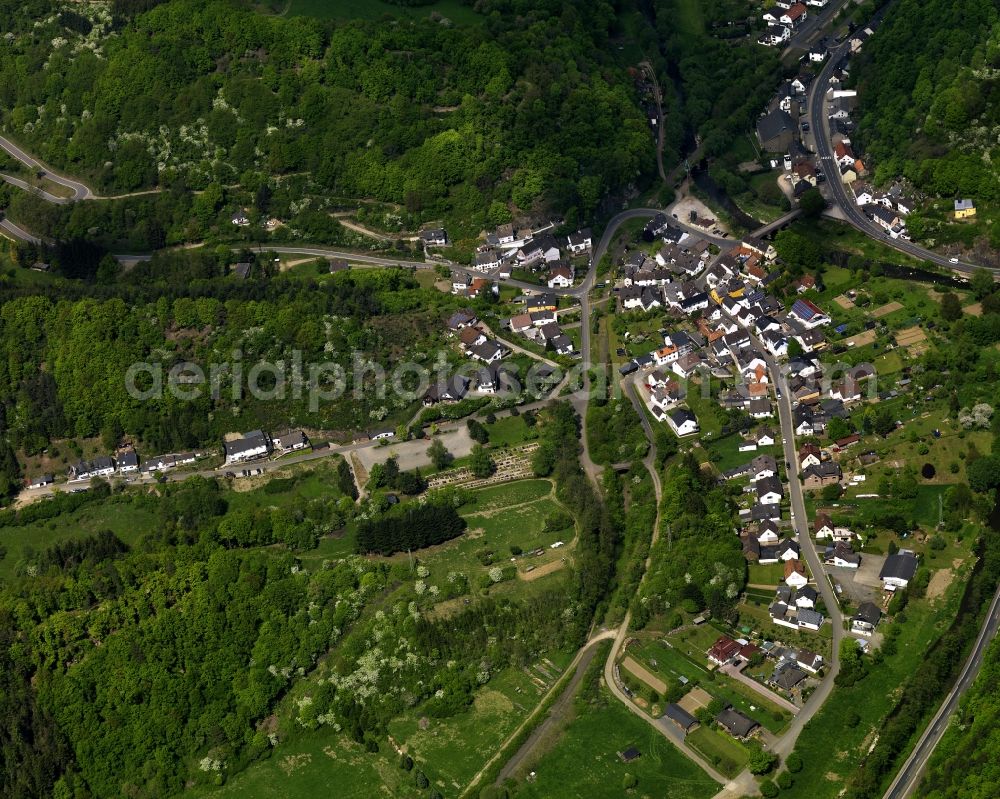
[964, 209]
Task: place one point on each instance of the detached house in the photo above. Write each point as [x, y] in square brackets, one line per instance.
[544, 248]
[254, 444]
[434, 237]
[822, 474]
[451, 390]
[560, 276]
[723, 650]
[808, 314]
[795, 574]
[769, 491]
[128, 461]
[809, 455]
[794, 16]
[683, 422]
[581, 241]
[775, 131]
[866, 619]
[898, 570]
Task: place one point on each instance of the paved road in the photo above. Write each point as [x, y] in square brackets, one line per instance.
[80, 191]
[812, 28]
[17, 232]
[45, 195]
[834, 188]
[909, 775]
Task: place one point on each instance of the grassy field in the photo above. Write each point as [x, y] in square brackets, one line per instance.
[710, 415]
[376, 9]
[584, 760]
[324, 763]
[509, 431]
[128, 522]
[455, 748]
[725, 452]
[502, 517]
[726, 753]
[769, 574]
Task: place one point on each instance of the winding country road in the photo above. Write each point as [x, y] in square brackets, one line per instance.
[80, 191]
[836, 190]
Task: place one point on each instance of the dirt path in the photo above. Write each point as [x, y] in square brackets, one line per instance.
[558, 713]
[541, 571]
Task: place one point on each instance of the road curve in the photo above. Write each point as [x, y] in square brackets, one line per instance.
[80, 190]
[841, 195]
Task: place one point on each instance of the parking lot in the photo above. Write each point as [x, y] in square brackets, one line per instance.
[861, 584]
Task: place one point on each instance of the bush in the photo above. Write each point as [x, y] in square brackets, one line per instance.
[630, 781]
[794, 762]
[761, 762]
[768, 789]
[421, 781]
[784, 780]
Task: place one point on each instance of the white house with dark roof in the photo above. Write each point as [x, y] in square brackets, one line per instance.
[291, 441]
[581, 241]
[683, 422]
[898, 570]
[128, 461]
[254, 444]
[434, 237]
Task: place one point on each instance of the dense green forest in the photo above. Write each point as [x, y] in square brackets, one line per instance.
[68, 344]
[930, 96]
[697, 562]
[184, 308]
[527, 112]
[966, 762]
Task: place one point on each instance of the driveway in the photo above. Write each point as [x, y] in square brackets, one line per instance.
[771, 696]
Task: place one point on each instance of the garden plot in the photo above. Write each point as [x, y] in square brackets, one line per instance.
[861, 339]
[910, 336]
[888, 308]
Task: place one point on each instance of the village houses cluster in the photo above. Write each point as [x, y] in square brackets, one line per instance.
[729, 326]
[783, 19]
[125, 462]
[782, 130]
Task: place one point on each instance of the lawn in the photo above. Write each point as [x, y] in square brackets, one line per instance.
[454, 10]
[584, 760]
[710, 414]
[503, 519]
[324, 763]
[504, 496]
[768, 574]
[720, 749]
[508, 431]
[725, 453]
